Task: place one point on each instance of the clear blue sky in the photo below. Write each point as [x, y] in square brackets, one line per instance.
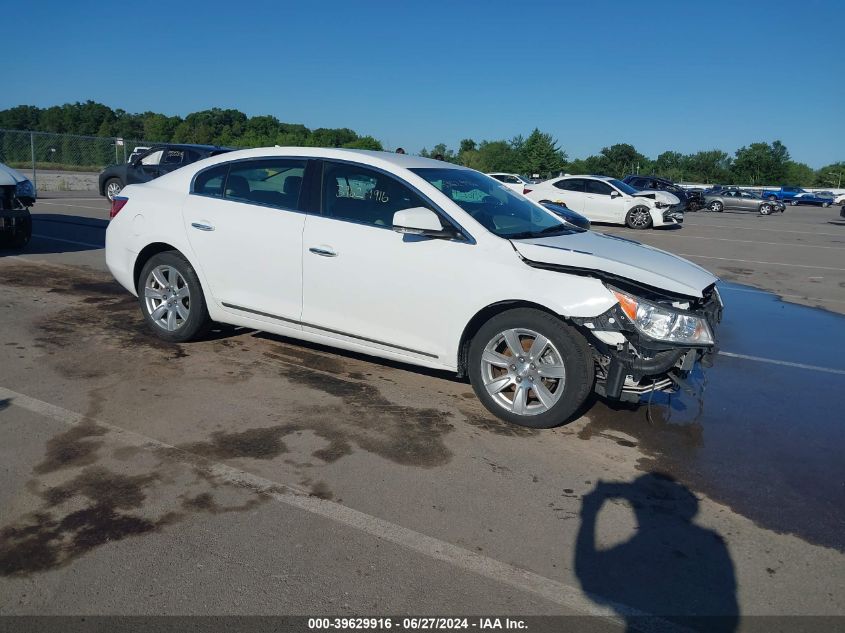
[659, 75]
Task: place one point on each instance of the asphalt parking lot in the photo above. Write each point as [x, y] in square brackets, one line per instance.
[251, 474]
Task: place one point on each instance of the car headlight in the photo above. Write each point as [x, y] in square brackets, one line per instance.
[24, 189]
[661, 205]
[663, 323]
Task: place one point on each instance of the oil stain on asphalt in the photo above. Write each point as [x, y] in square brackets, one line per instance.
[766, 439]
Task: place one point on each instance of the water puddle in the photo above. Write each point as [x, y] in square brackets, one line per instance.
[767, 439]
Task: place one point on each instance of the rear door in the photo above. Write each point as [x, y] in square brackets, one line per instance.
[244, 225]
[570, 193]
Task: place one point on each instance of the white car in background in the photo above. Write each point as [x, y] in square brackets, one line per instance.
[605, 199]
[415, 260]
[839, 199]
[512, 181]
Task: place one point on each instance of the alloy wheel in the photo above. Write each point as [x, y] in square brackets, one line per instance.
[523, 371]
[167, 298]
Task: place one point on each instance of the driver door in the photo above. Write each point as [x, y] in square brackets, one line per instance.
[365, 283]
[146, 168]
[601, 202]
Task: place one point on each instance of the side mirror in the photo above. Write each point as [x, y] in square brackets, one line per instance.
[615, 194]
[420, 221]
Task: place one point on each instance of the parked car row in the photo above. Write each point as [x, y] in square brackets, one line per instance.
[690, 199]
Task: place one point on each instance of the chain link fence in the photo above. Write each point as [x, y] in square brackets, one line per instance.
[47, 152]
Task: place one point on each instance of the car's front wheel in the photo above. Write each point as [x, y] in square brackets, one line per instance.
[113, 188]
[794, 203]
[171, 298]
[765, 209]
[825, 204]
[529, 368]
[638, 217]
[717, 206]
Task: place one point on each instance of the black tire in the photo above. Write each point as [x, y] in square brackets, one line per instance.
[574, 353]
[772, 198]
[197, 321]
[794, 203]
[765, 209]
[825, 205]
[112, 187]
[716, 206]
[23, 233]
[631, 218]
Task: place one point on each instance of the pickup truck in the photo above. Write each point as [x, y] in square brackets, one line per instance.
[784, 193]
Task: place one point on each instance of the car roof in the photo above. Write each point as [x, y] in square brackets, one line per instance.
[593, 176]
[406, 161]
[205, 148]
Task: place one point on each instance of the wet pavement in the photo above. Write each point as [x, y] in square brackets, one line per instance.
[766, 439]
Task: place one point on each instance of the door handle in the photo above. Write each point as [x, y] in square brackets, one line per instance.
[324, 252]
[202, 227]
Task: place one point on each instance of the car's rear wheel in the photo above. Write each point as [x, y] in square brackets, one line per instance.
[825, 204]
[529, 368]
[717, 206]
[171, 298]
[638, 217]
[765, 209]
[794, 203]
[113, 187]
[773, 198]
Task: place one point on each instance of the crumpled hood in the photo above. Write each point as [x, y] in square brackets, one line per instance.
[659, 196]
[621, 257]
[9, 176]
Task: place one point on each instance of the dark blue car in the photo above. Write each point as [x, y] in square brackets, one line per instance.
[815, 199]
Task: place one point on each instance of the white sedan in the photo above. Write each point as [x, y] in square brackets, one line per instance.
[414, 260]
[604, 199]
[512, 181]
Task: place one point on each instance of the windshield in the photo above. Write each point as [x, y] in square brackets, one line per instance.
[493, 205]
[624, 187]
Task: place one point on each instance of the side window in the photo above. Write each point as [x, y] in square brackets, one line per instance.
[210, 182]
[512, 180]
[274, 182]
[153, 158]
[499, 177]
[359, 194]
[599, 188]
[570, 184]
[173, 157]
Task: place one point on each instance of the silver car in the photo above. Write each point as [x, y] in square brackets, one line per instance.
[741, 200]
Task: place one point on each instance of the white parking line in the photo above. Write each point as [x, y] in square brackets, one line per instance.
[61, 239]
[560, 593]
[727, 239]
[754, 261]
[754, 228]
[785, 363]
[75, 206]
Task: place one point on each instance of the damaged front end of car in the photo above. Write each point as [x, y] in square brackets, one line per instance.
[650, 340]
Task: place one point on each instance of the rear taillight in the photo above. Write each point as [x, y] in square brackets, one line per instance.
[525, 191]
[117, 203]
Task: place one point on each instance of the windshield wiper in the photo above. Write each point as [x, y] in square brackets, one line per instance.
[561, 229]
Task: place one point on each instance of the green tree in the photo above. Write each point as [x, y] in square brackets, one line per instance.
[761, 164]
[832, 176]
[540, 154]
[710, 167]
[800, 174]
[364, 142]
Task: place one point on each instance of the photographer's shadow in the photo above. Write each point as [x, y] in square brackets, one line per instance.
[671, 567]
